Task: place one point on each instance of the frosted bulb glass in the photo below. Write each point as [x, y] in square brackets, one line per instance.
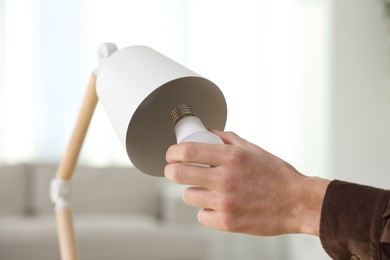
[189, 128]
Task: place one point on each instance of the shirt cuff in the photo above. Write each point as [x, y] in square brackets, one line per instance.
[350, 220]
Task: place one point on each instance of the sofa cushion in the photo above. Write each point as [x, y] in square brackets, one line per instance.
[102, 237]
[13, 198]
[104, 190]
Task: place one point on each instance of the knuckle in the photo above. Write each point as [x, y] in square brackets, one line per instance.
[169, 153]
[201, 218]
[229, 223]
[175, 173]
[231, 134]
[188, 151]
[236, 155]
[186, 197]
[167, 169]
[228, 182]
[227, 204]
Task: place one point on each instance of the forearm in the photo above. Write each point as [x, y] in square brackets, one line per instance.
[310, 202]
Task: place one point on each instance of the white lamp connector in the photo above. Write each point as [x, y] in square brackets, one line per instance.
[105, 50]
[60, 192]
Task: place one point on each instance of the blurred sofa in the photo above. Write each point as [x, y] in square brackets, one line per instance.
[119, 213]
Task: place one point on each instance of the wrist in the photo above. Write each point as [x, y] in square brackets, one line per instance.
[311, 198]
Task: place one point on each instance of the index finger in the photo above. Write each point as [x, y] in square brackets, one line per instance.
[197, 153]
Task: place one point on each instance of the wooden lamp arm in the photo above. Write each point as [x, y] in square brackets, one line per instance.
[69, 161]
[60, 185]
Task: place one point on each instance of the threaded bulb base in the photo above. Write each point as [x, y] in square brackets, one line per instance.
[181, 112]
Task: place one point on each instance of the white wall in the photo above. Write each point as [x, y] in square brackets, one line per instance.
[360, 93]
[357, 99]
[1, 60]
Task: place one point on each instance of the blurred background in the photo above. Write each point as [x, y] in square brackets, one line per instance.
[308, 80]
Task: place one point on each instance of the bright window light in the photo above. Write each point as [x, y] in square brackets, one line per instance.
[17, 140]
[267, 56]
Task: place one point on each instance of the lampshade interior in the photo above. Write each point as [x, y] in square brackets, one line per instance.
[151, 129]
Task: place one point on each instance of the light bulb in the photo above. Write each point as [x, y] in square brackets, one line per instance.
[189, 128]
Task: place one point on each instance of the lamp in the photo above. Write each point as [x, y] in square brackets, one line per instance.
[139, 89]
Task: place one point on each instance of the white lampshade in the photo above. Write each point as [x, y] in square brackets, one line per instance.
[139, 88]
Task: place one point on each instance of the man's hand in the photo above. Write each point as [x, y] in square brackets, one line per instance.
[246, 189]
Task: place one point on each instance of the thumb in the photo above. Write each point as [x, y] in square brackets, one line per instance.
[232, 138]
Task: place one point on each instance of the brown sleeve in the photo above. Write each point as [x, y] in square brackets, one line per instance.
[355, 222]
